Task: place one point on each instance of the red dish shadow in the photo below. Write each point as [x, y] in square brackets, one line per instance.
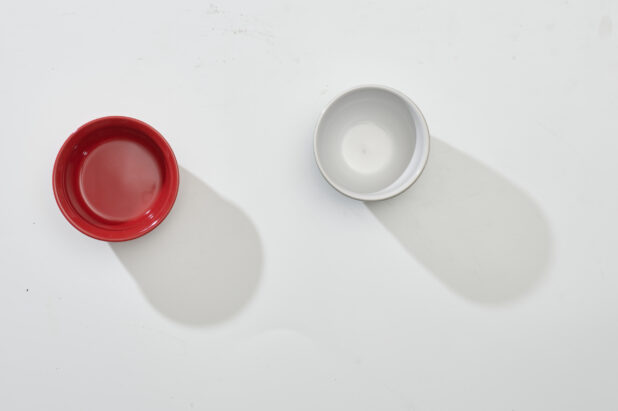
[115, 178]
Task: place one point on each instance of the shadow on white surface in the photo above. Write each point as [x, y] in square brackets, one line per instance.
[479, 234]
[203, 263]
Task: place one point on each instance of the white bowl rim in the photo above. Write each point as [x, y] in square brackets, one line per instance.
[404, 186]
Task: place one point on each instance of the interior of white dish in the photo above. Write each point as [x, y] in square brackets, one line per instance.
[371, 143]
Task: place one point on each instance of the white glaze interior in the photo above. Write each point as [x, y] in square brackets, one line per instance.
[371, 143]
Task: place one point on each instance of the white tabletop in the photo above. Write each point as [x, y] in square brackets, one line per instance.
[490, 285]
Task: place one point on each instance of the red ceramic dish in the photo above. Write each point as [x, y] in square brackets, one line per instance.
[115, 178]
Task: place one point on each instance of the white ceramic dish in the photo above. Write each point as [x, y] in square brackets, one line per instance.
[371, 143]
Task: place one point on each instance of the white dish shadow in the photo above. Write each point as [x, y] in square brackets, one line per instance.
[483, 237]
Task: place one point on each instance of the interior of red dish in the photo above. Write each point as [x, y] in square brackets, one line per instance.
[115, 177]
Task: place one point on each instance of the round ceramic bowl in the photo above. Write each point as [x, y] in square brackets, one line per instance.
[371, 143]
[115, 178]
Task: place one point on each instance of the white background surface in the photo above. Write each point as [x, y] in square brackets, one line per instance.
[491, 285]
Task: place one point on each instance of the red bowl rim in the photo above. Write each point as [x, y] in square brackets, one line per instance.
[128, 234]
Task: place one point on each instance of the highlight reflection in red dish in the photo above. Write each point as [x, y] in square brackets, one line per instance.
[115, 178]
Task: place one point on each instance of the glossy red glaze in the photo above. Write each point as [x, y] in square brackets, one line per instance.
[115, 178]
